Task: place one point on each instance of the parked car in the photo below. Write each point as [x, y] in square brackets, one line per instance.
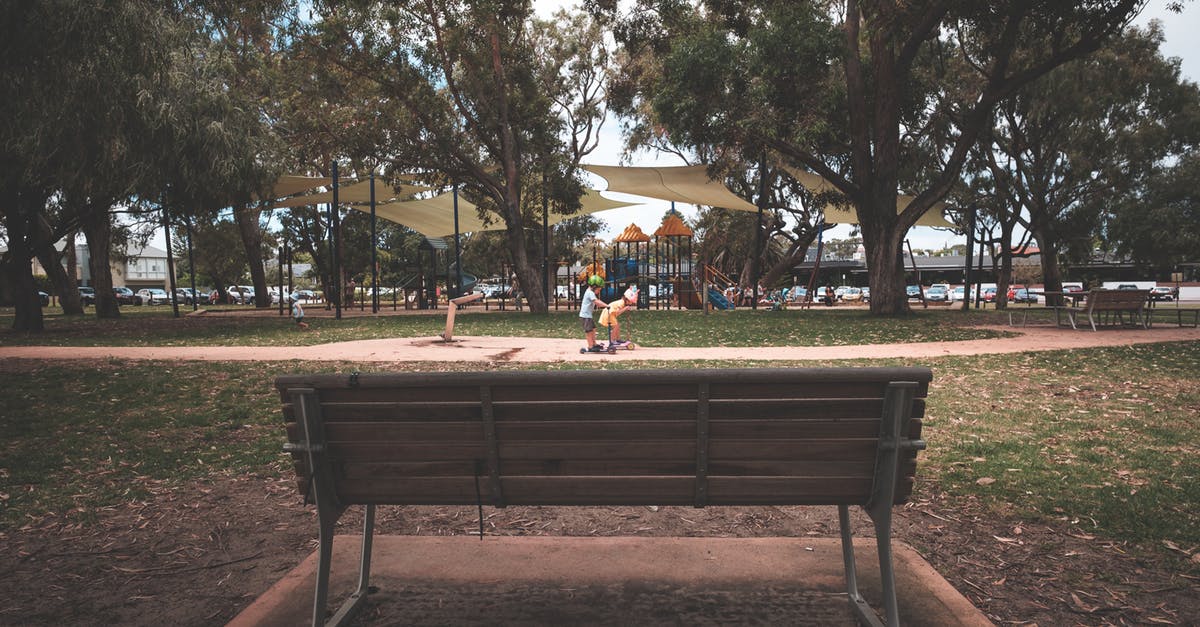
[306, 295]
[1162, 292]
[240, 294]
[1023, 295]
[958, 294]
[988, 295]
[87, 295]
[1128, 286]
[188, 297]
[852, 295]
[153, 296]
[937, 294]
[125, 296]
[913, 291]
[866, 294]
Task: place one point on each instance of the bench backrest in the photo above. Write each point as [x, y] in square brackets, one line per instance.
[654, 437]
[1117, 300]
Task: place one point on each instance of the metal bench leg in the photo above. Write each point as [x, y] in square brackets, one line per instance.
[862, 610]
[324, 561]
[352, 604]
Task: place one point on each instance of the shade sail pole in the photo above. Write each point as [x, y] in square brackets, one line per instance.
[458, 282]
[192, 263]
[374, 253]
[545, 240]
[758, 226]
[337, 246]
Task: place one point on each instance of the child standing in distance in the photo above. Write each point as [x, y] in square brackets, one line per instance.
[609, 317]
[587, 307]
[297, 311]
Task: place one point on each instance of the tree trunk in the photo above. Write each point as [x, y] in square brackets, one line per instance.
[1004, 275]
[18, 268]
[1051, 271]
[885, 266]
[64, 282]
[252, 237]
[97, 231]
[529, 275]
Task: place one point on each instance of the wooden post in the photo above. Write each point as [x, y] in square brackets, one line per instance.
[448, 335]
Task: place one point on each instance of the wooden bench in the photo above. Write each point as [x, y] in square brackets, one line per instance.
[777, 436]
[1111, 304]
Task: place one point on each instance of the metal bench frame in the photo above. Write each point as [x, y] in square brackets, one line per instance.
[897, 411]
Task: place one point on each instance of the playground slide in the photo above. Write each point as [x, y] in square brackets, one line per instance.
[718, 299]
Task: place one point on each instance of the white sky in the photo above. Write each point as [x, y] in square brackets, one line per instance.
[1181, 41]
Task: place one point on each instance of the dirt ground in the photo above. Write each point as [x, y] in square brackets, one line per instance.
[199, 554]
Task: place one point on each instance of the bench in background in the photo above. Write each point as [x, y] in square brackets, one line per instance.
[1110, 305]
[698, 438]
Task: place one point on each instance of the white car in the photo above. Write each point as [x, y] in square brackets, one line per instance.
[958, 294]
[243, 294]
[153, 296]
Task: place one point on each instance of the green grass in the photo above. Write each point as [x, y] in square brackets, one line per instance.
[154, 326]
[1103, 439]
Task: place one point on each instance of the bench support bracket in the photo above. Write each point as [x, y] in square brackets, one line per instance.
[329, 510]
[897, 409]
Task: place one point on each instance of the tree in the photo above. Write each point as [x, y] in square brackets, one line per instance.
[1068, 146]
[1159, 226]
[478, 107]
[854, 100]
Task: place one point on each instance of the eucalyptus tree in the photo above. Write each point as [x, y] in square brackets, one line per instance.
[1159, 225]
[480, 106]
[83, 78]
[1069, 146]
[847, 89]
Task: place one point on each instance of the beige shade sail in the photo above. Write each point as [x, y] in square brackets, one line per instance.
[686, 184]
[434, 217]
[354, 193]
[843, 214]
[290, 184]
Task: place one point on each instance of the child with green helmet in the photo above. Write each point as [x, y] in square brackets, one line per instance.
[591, 300]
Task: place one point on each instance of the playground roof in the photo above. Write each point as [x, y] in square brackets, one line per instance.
[632, 233]
[843, 214]
[673, 225]
[688, 184]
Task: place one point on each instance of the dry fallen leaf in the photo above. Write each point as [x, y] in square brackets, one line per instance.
[985, 481]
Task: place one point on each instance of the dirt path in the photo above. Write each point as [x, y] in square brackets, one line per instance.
[526, 349]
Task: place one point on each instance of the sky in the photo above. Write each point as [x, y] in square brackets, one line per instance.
[1181, 41]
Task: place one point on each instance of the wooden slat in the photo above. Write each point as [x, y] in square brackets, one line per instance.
[607, 468]
[668, 450]
[623, 430]
[610, 490]
[796, 409]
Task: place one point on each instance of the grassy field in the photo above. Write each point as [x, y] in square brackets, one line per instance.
[154, 326]
[1055, 435]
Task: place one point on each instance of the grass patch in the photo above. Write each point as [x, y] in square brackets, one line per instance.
[1103, 438]
[154, 326]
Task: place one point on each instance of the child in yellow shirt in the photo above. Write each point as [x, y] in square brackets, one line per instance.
[609, 317]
